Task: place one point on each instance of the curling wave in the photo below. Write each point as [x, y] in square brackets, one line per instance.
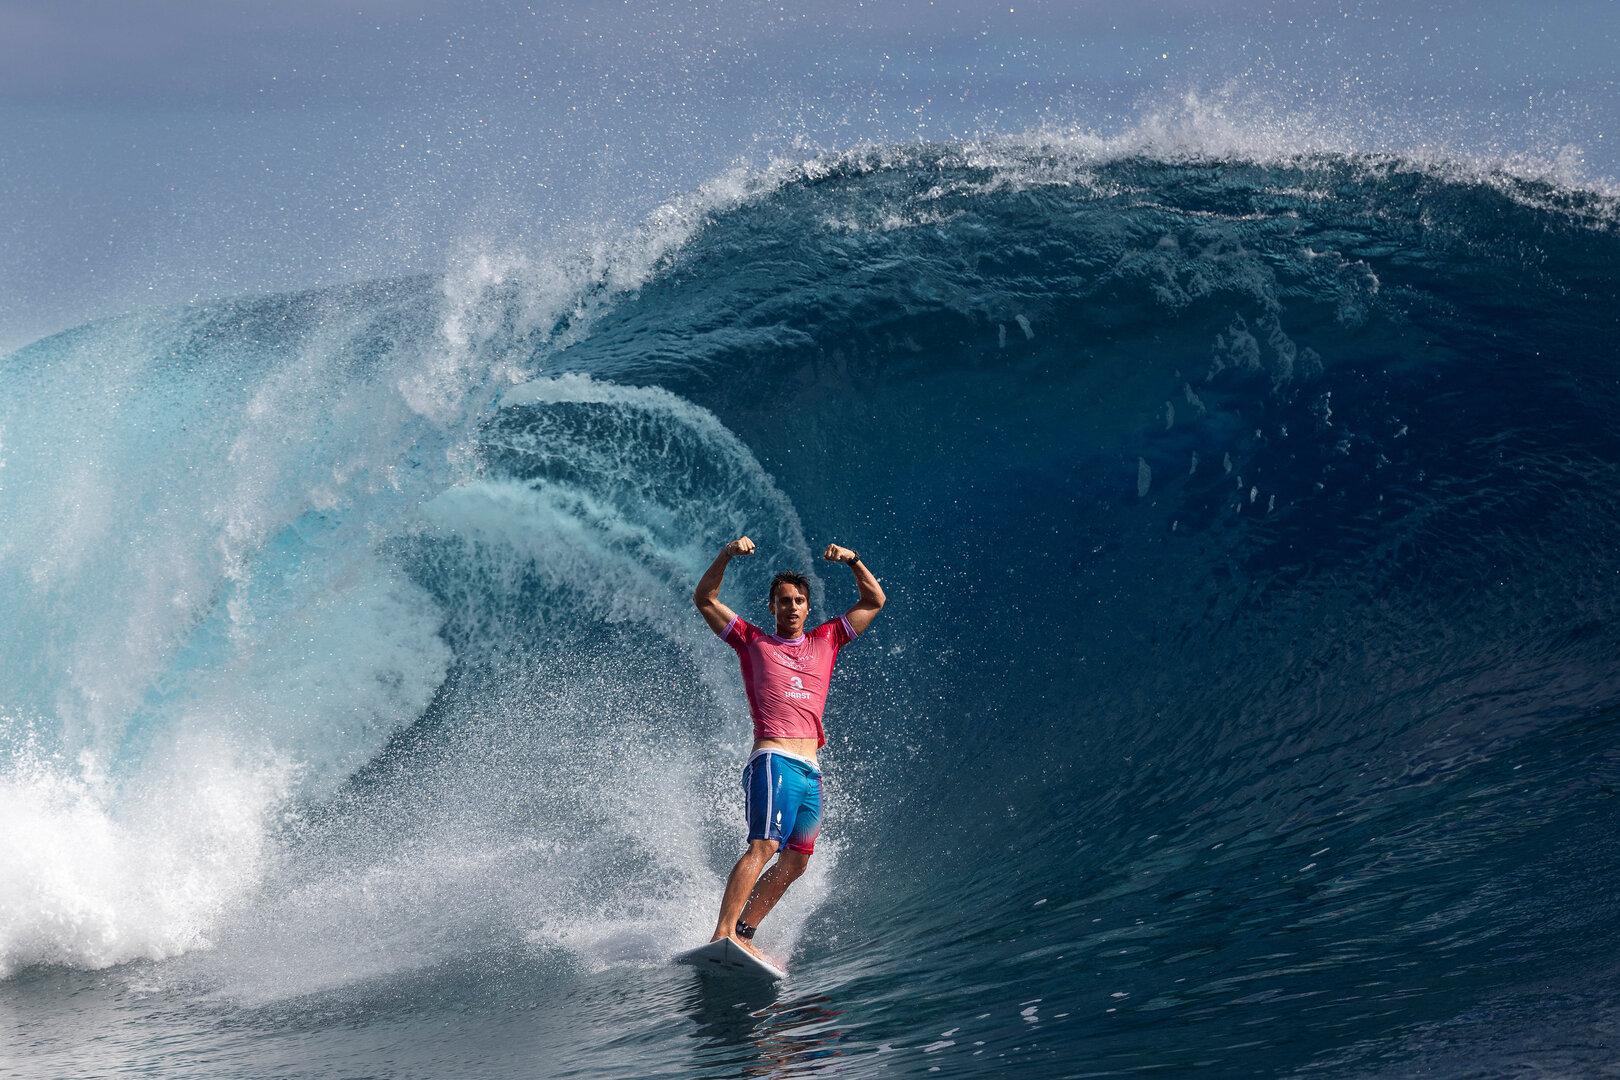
[1244, 506]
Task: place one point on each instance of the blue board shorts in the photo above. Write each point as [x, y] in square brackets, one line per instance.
[782, 800]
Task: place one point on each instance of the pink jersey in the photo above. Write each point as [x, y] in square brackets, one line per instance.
[786, 678]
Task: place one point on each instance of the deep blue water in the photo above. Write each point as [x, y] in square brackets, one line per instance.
[1246, 702]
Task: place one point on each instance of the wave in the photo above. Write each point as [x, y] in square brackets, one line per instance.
[1242, 497]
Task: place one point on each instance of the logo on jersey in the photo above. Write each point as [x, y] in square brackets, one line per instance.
[796, 689]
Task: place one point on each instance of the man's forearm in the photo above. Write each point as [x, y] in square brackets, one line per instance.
[708, 586]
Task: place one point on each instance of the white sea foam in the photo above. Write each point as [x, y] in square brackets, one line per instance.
[94, 873]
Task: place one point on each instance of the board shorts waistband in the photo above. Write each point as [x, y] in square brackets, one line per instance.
[806, 762]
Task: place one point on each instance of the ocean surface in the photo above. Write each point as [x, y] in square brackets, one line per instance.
[1246, 703]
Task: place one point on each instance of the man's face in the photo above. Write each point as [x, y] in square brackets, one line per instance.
[790, 606]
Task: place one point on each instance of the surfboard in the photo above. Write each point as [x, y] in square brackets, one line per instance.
[726, 957]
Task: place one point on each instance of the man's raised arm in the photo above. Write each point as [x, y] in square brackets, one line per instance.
[707, 594]
[871, 602]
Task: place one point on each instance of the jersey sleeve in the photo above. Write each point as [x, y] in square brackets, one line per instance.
[838, 631]
[739, 632]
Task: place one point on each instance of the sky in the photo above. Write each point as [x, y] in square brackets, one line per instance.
[159, 152]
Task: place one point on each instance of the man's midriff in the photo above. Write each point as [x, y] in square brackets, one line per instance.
[805, 748]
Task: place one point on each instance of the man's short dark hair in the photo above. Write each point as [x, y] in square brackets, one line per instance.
[790, 578]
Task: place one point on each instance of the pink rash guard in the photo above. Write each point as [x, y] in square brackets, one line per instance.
[787, 678]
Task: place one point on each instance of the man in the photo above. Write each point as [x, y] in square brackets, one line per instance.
[785, 675]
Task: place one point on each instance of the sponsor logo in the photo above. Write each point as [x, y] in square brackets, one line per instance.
[796, 689]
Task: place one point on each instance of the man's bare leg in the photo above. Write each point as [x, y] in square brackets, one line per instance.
[744, 876]
[784, 872]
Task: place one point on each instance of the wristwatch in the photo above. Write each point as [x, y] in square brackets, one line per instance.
[854, 557]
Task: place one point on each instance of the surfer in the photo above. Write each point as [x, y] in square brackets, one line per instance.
[785, 675]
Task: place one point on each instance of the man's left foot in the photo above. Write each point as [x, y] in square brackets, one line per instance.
[744, 943]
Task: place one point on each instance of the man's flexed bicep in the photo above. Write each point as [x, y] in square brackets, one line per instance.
[716, 614]
[707, 594]
[872, 599]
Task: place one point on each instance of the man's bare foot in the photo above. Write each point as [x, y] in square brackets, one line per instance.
[741, 943]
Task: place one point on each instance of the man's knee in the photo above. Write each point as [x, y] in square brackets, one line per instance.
[760, 851]
[793, 862]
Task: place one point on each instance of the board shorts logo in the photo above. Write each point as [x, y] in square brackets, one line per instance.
[796, 688]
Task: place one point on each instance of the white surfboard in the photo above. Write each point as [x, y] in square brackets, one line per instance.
[726, 957]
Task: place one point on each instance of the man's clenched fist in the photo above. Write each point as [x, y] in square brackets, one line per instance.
[834, 553]
[740, 546]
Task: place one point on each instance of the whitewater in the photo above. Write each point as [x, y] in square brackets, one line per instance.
[1245, 702]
